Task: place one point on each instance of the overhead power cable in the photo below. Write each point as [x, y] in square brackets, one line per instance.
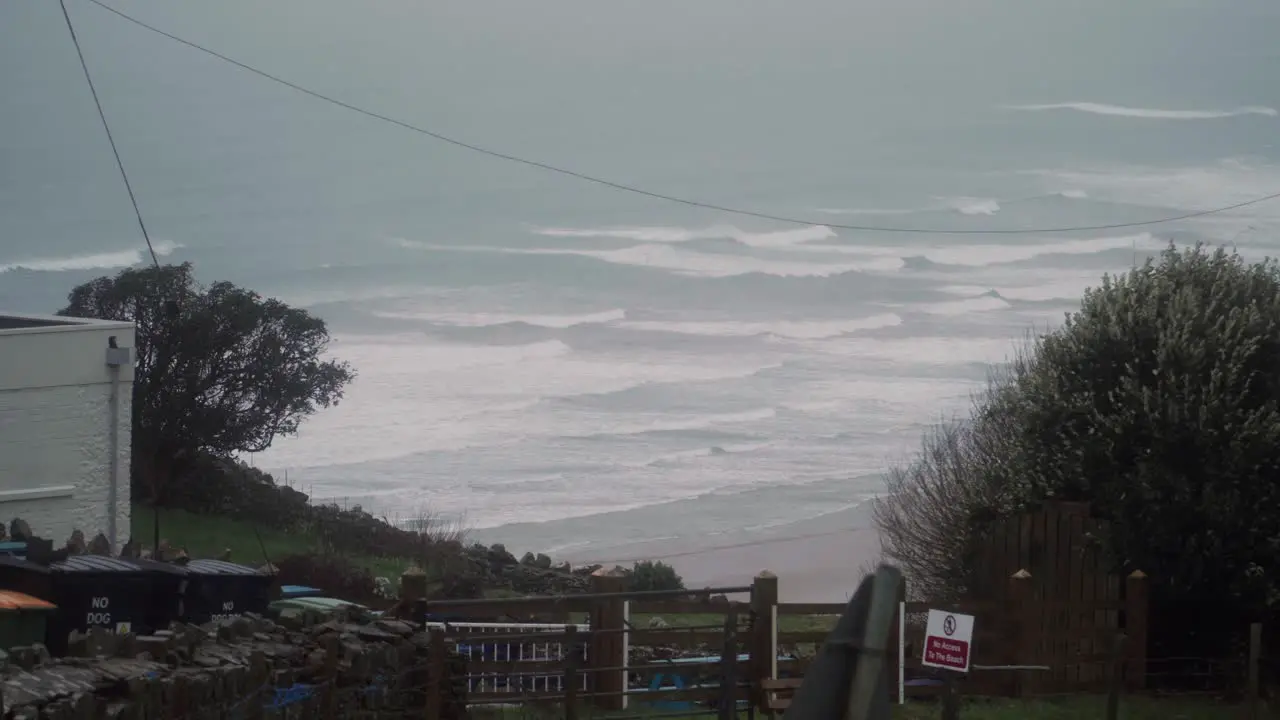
[110, 139]
[658, 195]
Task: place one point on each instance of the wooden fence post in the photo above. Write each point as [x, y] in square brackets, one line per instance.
[1117, 677]
[436, 680]
[1136, 593]
[1255, 657]
[893, 674]
[950, 697]
[764, 640]
[571, 676]
[1024, 643]
[413, 588]
[608, 648]
[413, 585]
[728, 709]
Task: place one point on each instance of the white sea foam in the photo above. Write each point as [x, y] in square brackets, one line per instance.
[1187, 189]
[870, 211]
[415, 396]
[687, 262]
[1021, 251]
[973, 205]
[701, 264]
[652, 234]
[962, 205]
[1071, 289]
[707, 452]
[1149, 113]
[482, 319]
[975, 255]
[984, 303]
[90, 261]
[666, 423]
[799, 329]
[890, 400]
[902, 353]
[661, 234]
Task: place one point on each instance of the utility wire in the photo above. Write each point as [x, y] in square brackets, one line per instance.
[657, 195]
[103, 116]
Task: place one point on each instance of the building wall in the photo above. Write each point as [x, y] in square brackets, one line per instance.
[55, 418]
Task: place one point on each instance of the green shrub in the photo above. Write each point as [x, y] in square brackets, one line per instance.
[654, 575]
[1158, 403]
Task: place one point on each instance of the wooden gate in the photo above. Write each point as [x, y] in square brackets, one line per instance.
[1048, 596]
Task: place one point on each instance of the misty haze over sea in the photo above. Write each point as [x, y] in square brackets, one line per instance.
[576, 369]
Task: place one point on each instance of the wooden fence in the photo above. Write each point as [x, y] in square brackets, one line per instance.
[1030, 644]
[1043, 596]
[749, 639]
[734, 627]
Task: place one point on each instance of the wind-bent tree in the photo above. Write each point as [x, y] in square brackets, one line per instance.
[1158, 402]
[219, 370]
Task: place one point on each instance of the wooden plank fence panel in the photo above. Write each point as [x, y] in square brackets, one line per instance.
[1059, 576]
[1077, 600]
[1077, 645]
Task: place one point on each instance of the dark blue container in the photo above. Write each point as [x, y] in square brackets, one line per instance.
[123, 596]
[217, 589]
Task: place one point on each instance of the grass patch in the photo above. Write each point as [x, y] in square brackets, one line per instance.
[786, 623]
[208, 536]
[1076, 708]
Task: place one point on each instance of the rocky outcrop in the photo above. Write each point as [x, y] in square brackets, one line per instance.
[495, 568]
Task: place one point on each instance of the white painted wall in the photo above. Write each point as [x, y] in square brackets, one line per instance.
[55, 458]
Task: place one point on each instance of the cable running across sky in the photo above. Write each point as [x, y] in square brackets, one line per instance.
[84, 65]
[662, 196]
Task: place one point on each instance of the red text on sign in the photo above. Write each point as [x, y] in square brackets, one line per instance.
[946, 652]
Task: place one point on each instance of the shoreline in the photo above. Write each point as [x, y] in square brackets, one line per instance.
[819, 560]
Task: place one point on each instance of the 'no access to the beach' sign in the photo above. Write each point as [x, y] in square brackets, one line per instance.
[948, 638]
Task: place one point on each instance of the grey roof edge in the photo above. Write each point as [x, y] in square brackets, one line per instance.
[58, 323]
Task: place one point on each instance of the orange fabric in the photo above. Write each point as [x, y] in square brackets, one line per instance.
[10, 600]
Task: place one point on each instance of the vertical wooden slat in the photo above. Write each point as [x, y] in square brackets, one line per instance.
[1070, 563]
[1115, 681]
[1040, 574]
[764, 643]
[1252, 694]
[573, 658]
[1099, 671]
[728, 709]
[896, 640]
[1052, 589]
[1101, 583]
[1022, 609]
[1025, 526]
[1135, 627]
[608, 648]
[436, 680]
[1084, 642]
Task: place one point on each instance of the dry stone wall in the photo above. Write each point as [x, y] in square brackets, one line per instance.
[246, 668]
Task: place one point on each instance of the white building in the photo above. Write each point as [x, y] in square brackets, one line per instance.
[65, 408]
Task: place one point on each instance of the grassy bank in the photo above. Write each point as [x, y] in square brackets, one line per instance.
[208, 536]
